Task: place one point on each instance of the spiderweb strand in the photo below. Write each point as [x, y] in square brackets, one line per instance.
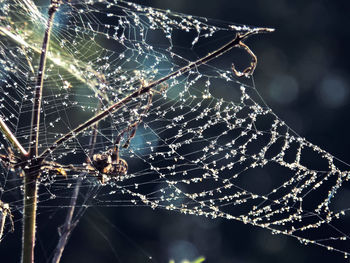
[202, 145]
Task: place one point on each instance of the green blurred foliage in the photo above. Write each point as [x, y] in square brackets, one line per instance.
[198, 260]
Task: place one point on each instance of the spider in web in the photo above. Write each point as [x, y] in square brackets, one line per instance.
[106, 164]
[109, 163]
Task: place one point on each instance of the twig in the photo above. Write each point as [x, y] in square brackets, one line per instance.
[250, 69]
[34, 132]
[5, 213]
[237, 41]
[12, 138]
[66, 229]
[32, 171]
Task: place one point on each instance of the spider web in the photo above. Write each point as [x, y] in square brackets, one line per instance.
[200, 147]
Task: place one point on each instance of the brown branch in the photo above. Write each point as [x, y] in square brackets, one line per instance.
[34, 131]
[66, 229]
[250, 69]
[237, 41]
[32, 172]
[12, 138]
[5, 212]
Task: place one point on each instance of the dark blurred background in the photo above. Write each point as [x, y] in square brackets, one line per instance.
[303, 75]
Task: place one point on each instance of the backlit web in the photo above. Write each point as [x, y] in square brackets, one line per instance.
[208, 144]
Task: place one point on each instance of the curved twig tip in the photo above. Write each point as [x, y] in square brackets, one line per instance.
[248, 71]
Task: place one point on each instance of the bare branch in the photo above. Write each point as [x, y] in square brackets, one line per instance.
[237, 41]
[34, 131]
[12, 138]
[248, 70]
[33, 172]
[5, 212]
[66, 229]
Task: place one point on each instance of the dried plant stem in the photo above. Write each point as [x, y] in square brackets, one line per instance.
[5, 213]
[237, 41]
[12, 138]
[34, 132]
[67, 228]
[33, 167]
[29, 215]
